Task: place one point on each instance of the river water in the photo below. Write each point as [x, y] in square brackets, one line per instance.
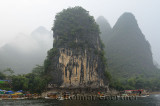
[152, 100]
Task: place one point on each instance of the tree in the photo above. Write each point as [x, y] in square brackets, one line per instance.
[19, 82]
[2, 75]
[8, 71]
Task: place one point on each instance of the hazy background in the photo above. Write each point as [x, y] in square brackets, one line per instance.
[21, 17]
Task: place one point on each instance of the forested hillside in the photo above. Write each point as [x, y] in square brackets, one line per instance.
[129, 55]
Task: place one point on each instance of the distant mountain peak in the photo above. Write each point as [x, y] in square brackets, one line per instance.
[40, 30]
[126, 17]
[101, 20]
[25, 51]
[128, 24]
[128, 51]
[126, 20]
[105, 29]
[128, 14]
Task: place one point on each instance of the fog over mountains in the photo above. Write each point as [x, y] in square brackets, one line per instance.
[125, 45]
[26, 51]
[127, 50]
[105, 28]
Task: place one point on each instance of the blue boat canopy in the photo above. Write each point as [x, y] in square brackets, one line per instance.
[9, 92]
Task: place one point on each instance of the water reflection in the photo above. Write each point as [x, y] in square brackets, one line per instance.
[152, 100]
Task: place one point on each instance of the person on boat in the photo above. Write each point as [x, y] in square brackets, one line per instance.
[140, 92]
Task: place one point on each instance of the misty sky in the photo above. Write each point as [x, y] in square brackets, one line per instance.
[23, 16]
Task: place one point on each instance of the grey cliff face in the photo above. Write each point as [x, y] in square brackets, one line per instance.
[78, 60]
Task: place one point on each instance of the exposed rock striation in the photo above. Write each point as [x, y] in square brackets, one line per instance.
[77, 58]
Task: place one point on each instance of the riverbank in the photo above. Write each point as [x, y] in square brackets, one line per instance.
[153, 100]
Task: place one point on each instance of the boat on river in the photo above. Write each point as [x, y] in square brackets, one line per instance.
[60, 98]
[52, 95]
[137, 93]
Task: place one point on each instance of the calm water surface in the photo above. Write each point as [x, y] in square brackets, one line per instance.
[152, 100]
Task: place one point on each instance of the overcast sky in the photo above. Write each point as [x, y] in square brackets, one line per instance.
[23, 16]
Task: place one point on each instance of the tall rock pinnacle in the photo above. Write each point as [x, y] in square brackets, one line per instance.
[77, 58]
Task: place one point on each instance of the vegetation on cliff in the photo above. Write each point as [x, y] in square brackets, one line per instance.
[129, 55]
[128, 52]
[72, 25]
[74, 29]
[77, 40]
[76, 35]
